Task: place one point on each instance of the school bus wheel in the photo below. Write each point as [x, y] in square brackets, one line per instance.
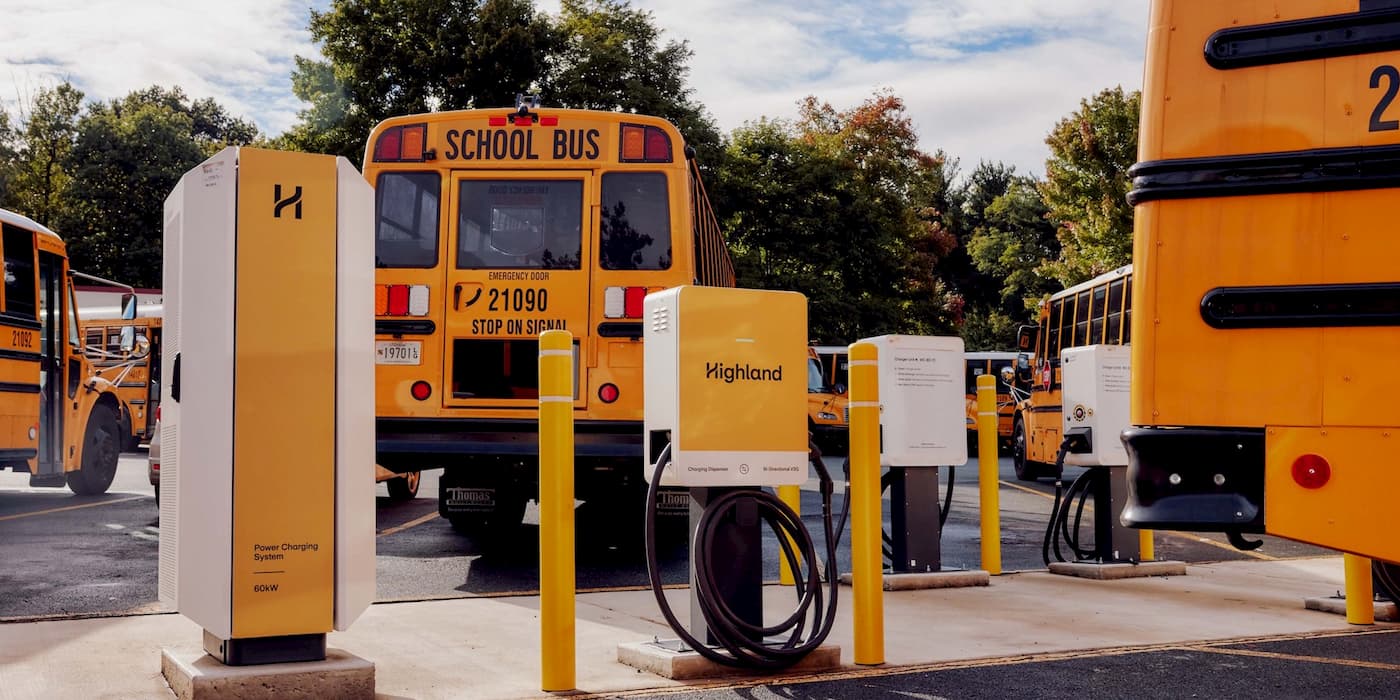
[101, 448]
[1386, 577]
[1026, 469]
[405, 487]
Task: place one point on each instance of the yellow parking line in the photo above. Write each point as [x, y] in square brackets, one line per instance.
[1356, 663]
[17, 516]
[1181, 535]
[412, 523]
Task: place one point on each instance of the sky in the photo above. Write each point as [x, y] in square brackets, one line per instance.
[981, 79]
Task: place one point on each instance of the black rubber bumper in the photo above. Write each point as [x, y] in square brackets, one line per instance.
[411, 441]
[1173, 475]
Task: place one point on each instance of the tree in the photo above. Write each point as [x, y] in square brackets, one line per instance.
[1086, 184]
[9, 155]
[45, 141]
[836, 205]
[390, 58]
[127, 156]
[1011, 246]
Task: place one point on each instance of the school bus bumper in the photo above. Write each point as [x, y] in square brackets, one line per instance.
[1196, 479]
[408, 441]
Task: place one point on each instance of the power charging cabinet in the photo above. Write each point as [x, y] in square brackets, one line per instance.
[1095, 382]
[267, 431]
[726, 385]
[923, 403]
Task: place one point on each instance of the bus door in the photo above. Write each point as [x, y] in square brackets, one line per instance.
[54, 375]
[517, 266]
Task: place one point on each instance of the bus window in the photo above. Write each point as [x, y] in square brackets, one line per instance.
[1115, 312]
[1052, 334]
[406, 234]
[1066, 331]
[1096, 315]
[635, 230]
[1081, 320]
[816, 383]
[1127, 312]
[19, 272]
[520, 224]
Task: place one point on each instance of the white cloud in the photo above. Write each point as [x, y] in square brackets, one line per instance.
[983, 79]
[239, 53]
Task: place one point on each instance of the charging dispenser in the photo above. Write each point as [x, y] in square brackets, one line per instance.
[922, 427]
[726, 397]
[267, 477]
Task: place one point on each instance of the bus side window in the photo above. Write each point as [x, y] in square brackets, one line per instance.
[1096, 315]
[1127, 309]
[1115, 312]
[19, 273]
[1054, 326]
[1066, 331]
[1081, 320]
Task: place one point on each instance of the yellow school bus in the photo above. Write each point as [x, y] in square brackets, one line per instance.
[136, 378]
[1265, 247]
[827, 414]
[1001, 366]
[494, 225]
[1098, 311]
[58, 422]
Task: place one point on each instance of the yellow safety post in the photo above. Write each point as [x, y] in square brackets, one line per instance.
[556, 511]
[1361, 609]
[867, 563]
[988, 473]
[791, 495]
[1147, 546]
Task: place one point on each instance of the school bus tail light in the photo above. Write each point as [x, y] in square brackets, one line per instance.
[609, 393]
[402, 144]
[623, 302]
[401, 300]
[421, 390]
[644, 144]
[1311, 471]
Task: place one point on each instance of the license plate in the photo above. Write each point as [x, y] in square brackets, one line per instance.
[398, 352]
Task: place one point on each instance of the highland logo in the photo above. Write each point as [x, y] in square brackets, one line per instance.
[745, 372]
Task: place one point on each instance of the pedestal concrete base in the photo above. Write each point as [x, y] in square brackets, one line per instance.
[1107, 572]
[1385, 611]
[930, 579]
[199, 676]
[664, 659]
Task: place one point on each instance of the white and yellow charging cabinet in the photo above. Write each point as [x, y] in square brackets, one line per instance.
[267, 431]
[726, 400]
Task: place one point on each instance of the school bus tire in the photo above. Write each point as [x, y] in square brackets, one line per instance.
[1386, 577]
[101, 449]
[1026, 469]
[405, 487]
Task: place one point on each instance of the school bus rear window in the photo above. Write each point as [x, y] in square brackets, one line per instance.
[407, 231]
[635, 232]
[520, 224]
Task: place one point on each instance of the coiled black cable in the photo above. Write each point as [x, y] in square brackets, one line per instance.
[887, 545]
[1059, 529]
[742, 640]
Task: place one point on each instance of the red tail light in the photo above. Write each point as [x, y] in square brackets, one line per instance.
[389, 145]
[421, 390]
[398, 300]
[623, 302]
[402, 144]
[496, 121]
[632, 301]
[157, 413]
[1311, 471]
[608, 393]
[643, 144]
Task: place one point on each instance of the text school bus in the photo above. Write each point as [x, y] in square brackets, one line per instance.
[494, 225]
[58, 422]
[1266, 283]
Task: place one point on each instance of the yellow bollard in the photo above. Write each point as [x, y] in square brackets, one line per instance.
[1147, 547]
[556, 511]
[988, 473]
[867, 562]
[1361, 608]
[791, 495]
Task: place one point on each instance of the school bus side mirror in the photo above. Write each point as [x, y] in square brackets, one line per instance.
[1026, 337]
[1008, 375]
[128, 308]
[838, 388]
[1023, 368]
[128, 339]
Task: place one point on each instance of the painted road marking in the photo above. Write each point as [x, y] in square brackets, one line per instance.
[1355, 663]
[17, 516]
[412, 523]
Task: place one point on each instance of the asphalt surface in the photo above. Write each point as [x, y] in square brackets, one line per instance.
[1346, 665]
[64, 555]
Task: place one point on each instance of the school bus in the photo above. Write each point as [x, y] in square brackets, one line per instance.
[1265, 248]
[1098, 311]
[1001, 366]
[827, 412]
[58, 422]
[834, 366]
[494, 225]
[136, 378]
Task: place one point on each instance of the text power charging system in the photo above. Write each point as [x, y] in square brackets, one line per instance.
[726, 397]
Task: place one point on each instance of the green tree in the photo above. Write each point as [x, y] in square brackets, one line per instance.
[1086, 184]
[1011, 246]
[9, 155]
[41, 175]
[127, 156]
[836, 205]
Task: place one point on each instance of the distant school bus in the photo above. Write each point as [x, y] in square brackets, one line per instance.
[494, 225]
[1267, 284]
[827, 414]
[1001, 366]
[834, 366]
[58, 422]
[136, 378]
[1095, 312]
